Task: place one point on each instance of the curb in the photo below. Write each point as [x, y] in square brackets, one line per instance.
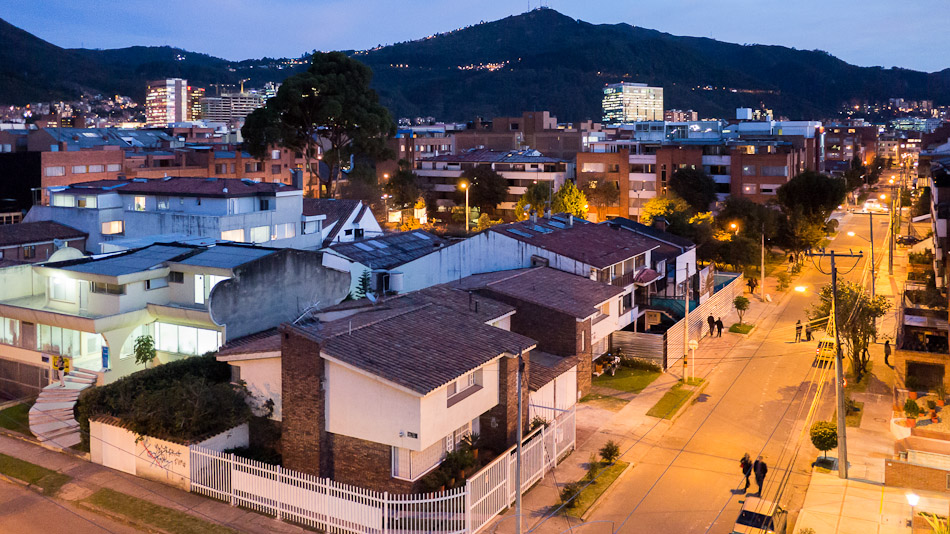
[689, 401]
[600, 498]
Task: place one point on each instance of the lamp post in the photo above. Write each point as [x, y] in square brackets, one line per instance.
[464, 186]
[912, 500]
[639, 205]
[871, 241]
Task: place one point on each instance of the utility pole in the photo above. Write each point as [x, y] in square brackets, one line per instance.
[890, 254]
[518, 452]
[686, 325]
[871, 230]
[839, 363]
[762, 273]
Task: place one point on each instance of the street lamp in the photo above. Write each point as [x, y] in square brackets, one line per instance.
[734, 227]
[912, 500]
[464, 186]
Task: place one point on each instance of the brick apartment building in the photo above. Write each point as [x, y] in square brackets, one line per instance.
[538, 130]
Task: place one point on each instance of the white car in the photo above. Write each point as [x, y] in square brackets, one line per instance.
[759, 516]
[874, 204]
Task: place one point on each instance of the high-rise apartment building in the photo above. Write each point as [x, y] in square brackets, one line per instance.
[195, 94]
[627, 102]
[229, 107]
[166, 102]
[678, 115]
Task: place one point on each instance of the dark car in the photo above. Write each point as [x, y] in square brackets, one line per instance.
[908, 240]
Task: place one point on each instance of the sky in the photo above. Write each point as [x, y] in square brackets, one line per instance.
[910, 34]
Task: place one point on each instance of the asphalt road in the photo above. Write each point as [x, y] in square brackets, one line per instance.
[687, 481]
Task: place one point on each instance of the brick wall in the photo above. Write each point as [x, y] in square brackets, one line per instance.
[303, 441]
[499, 426]
[906, 475]
[365, 464]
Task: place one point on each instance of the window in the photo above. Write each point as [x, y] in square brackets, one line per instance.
[310, 227]
[62, 289]
[64, 201]
[107, 289]
[29, 252]
[748, 170]
[643, 168]
[267, 204]
[113, 228]
[139, 204]
[463, 387]
[275, 169]
[640, 261]
[233, 235]
[113, 167]
[9, 331]
[592, 167]
[186, 339]
[204, 284]
[284, 231]
[749, 189]
[96, 168]
[260, 234]
[358, 233]
[163, 203]
[88, 201]
[176, 277]
[79, 169]
[156, 283]
[605, 309]
[275, 154]
[774, 170]
[56, 171]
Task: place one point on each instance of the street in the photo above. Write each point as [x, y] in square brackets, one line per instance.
[686, 477]
[25, 511]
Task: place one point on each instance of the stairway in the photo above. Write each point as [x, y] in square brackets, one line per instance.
[51, 418]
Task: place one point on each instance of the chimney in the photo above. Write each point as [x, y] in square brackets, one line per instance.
[547, 213]
[570, 219]
[660, 224]
[534, 216]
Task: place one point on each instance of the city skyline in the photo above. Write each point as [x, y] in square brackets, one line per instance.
[881, 34]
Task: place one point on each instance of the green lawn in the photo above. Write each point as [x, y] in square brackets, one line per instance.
[17, 417]
[627, 379]
[605, 402]
[862, 386]
[152, 516]
[743, 328]
[673, 400]
[48, 480]
[592, 492]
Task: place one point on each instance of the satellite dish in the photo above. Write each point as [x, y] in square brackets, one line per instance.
[527, 207]
[371, 297]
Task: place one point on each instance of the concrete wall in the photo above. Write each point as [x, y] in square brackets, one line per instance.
[273, 290]
[558, 394]
[262, 377]
[907, 475]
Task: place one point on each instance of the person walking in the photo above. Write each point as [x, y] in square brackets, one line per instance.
[746, 465]
[887, 352]
[808, 331]
[798, 331]
[719, 327]
[752, 283]
[711, 321]
[61, 371]
[760, 469]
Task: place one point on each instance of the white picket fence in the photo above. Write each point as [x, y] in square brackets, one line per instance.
[340, 508]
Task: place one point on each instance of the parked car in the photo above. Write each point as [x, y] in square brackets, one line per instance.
[759, 516]
[908, 240]
[825, 353]
[873, 204]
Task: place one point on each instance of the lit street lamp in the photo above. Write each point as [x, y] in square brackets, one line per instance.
[871, 241]
[912, 500]
[464, 186]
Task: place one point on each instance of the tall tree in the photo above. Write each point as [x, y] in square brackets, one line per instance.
[750, 216]
[694, 186]
[674, 209]
[815, 193]
[569, 199]
[487, 188]
[403, 187]
[601, 194]
[330, 107]
[856, 314]
[534, 198]
[361, 184]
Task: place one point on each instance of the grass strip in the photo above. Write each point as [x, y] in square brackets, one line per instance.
[17, 417]
[591, 493]
[604, 402]
[743, 328]
[48, 480]
[626, 379]
[142, 512]
[673, 400]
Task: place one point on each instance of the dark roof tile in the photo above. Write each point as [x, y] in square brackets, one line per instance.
[36, 232]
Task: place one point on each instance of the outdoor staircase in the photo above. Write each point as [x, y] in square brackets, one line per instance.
[51, 418]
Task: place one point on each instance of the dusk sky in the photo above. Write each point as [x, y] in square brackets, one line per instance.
[872, 32]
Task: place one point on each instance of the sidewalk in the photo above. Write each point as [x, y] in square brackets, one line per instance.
[87, 478]
[633, 430]
[835, 506]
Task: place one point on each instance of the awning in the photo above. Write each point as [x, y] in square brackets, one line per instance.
[646, 277]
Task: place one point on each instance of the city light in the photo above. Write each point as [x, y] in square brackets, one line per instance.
[801, 289]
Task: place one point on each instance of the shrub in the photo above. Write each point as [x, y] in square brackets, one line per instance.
[911, 408]
[609, 452]
[570, 492]
[181, 400]
[538, 421]
[824, 436]
[784, 280]
[912, 383]
[641, 365]
[932, 404]
[592, 467]
[741, 304]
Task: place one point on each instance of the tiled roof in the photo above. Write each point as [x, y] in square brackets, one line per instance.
[594, 244]
[477, 306]
[36, 232]
[337, 212]
[419, 347]
[485, 155]
[546, 367]
[565, 292]
[261, 342]
[93, 137]
[650, 231]
[391, 250]
[183, 186]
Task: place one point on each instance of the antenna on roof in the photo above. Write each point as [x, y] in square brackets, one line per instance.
[307, 311]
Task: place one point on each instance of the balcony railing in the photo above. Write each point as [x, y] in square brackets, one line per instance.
[624, 280]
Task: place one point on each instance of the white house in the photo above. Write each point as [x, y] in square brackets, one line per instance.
[344, 220]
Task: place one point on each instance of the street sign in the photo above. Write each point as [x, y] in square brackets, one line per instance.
[693, 344]
[105, 357]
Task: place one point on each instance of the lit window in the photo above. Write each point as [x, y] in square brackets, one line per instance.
[113, 228]
[260, 234]
[64, 201]
[88, 201]
[139, 204]
[62, 289]
[233, 235]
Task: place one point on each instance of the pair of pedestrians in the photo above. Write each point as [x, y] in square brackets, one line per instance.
[757, 468]
[798, 331]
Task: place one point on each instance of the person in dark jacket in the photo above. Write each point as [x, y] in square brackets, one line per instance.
[798, 331]
[887, 352]
[746, 465]
[719, 327]
[760, 469]
[711, 321]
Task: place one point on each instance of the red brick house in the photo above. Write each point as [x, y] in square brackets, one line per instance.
[36, 241]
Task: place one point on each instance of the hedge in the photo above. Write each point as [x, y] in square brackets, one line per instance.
[179, 401]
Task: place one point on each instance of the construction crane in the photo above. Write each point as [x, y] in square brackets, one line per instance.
[242, 84]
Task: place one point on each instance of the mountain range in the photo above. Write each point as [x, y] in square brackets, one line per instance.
[539, 60]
